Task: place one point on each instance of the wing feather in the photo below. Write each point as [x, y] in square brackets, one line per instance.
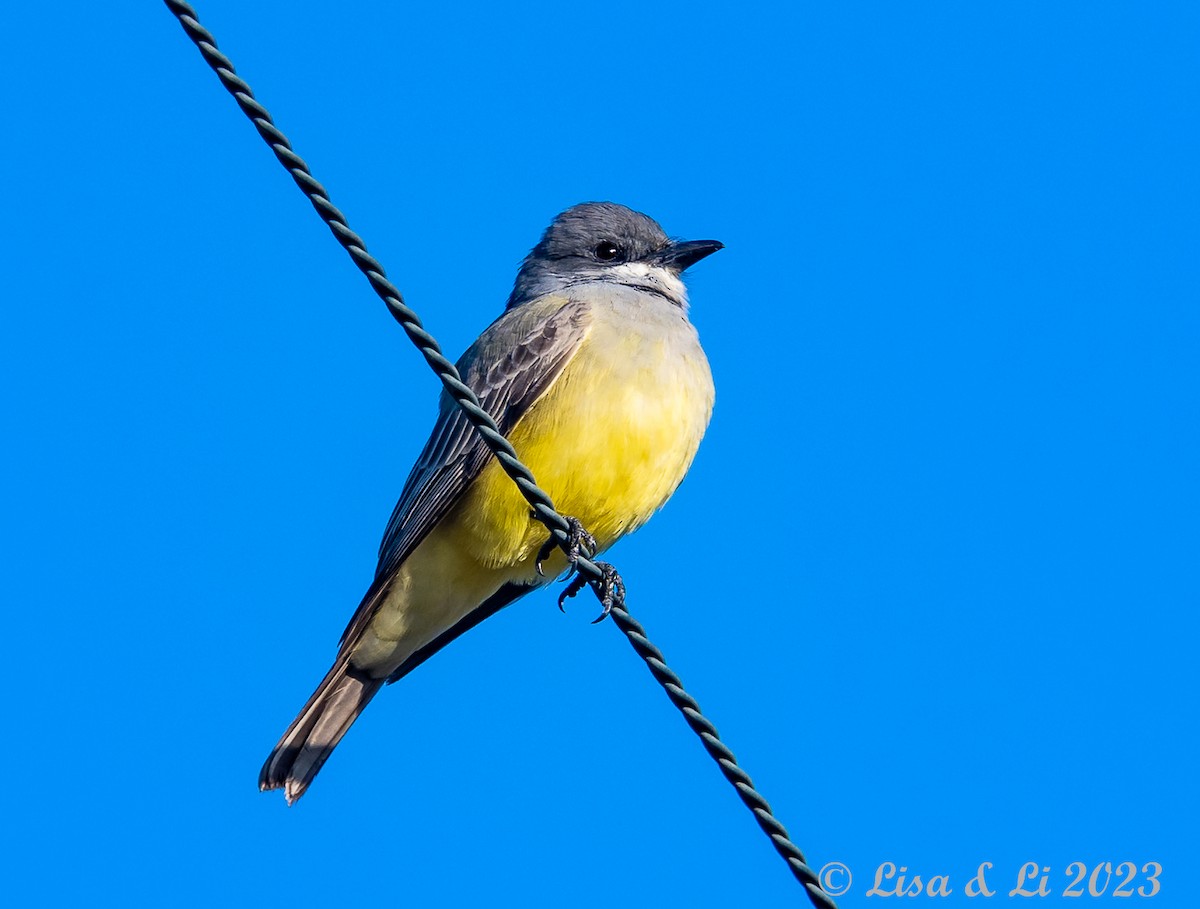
[509, 367]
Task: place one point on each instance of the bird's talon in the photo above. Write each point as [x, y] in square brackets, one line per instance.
[577, 584]
[611, 590]
[580, 543]
[543, 554]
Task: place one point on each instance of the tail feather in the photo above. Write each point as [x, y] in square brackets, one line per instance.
[308, 742]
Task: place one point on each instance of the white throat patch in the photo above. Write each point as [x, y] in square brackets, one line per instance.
[653, 278]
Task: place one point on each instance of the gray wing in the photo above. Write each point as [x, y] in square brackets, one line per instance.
[514, 361]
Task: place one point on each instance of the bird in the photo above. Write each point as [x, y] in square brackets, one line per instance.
[595, 374]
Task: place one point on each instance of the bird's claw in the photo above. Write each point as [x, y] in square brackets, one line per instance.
[579, 543]
[610, 588]
[582, 545]
[577, 584]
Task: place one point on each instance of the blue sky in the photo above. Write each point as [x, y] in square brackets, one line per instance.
[933, 574]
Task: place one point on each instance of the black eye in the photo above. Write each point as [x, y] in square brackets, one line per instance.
[607, 250]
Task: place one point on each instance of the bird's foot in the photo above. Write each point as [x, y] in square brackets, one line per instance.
[579, 543]
[582, 545]
[610, 588]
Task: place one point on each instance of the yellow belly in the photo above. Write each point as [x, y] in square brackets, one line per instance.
[609, 441]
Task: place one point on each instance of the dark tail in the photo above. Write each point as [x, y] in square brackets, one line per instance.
[313, 735]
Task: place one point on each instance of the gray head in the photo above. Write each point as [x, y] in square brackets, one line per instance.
[605, 242]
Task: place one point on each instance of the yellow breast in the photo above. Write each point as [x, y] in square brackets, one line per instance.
[610, 440]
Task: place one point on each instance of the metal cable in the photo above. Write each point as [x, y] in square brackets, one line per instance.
[543, 508]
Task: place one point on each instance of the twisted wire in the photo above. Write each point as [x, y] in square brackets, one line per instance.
[539, 501]
[719, 752]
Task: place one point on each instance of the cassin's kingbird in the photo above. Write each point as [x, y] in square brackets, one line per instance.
[596, 376]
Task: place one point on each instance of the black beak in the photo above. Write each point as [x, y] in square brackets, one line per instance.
[686, 253]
